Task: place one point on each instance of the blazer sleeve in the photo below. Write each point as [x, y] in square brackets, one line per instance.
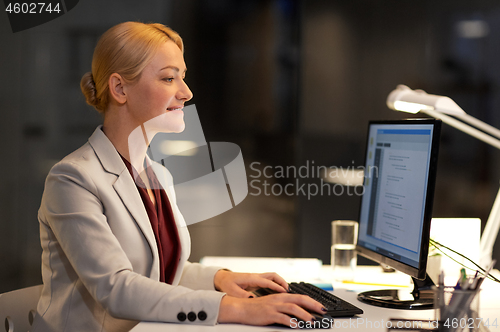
[197, 276]
[72, 209]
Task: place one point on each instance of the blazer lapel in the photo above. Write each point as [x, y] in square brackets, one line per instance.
[125, 188]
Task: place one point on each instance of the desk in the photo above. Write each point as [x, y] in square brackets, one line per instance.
[373, 319]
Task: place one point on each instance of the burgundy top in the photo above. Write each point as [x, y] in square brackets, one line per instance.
[163, 224]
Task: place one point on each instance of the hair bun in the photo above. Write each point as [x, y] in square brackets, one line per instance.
[87, 85]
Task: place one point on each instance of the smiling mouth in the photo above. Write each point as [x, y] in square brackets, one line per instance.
[175, 108]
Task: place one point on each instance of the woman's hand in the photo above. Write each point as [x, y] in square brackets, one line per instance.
[269, 309]
[238, 284]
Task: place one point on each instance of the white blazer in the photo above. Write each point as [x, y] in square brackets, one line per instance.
[100, 264]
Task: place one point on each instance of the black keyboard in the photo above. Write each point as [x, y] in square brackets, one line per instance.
[335, 305]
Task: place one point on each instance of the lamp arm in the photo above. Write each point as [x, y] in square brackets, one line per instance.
[492, 227]
[479, 124]
[490, 233]
[463, 127]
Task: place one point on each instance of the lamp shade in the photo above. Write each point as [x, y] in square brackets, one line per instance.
[413, 101]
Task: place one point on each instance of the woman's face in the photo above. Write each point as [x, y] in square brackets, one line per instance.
[158, 97]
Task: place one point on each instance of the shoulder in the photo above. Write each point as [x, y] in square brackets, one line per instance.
[84, 155]
[97, 157]
[77, 168]
[71, 185]
[83, 160]
[84, 167]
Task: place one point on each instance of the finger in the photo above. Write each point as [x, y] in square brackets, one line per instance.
[306, 302]
[236, 291]
[286, 320]
[265, 283]
[296, 311]
[277, 279]
[275, 287]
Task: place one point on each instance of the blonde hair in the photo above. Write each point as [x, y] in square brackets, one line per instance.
[125, 49]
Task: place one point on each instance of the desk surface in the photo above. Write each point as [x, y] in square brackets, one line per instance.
[374, 318]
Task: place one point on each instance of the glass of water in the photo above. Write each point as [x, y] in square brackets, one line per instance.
[344, 257]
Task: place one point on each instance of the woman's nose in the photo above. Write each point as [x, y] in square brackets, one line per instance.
[184, 92]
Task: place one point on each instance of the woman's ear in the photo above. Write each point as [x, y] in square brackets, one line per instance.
[116, 91]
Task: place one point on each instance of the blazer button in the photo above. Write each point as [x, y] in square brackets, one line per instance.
[181, 316]
[202, 315]
[191, 316]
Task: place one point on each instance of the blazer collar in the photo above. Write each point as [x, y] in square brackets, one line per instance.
[106, 152]
[125, 187]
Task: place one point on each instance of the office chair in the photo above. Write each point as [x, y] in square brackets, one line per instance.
[18, 308]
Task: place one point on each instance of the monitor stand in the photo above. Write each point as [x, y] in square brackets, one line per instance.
[422, 296]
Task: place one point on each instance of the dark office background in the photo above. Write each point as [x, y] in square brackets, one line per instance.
[292, 82]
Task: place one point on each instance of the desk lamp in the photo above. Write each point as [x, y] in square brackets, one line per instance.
[407, 100]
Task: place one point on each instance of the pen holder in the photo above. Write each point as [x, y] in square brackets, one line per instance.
[457, 310]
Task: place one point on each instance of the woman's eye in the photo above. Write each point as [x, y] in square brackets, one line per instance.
[168, 79]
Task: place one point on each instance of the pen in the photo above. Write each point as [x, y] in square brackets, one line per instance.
[441, 302]
[463, 277]
[475, 280]
[487, 272]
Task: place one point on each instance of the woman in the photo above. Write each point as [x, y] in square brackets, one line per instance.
[115, 250]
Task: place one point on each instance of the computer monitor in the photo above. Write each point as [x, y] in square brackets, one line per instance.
[396, 207]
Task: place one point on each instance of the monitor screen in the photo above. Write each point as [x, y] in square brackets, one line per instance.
[395, 214]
